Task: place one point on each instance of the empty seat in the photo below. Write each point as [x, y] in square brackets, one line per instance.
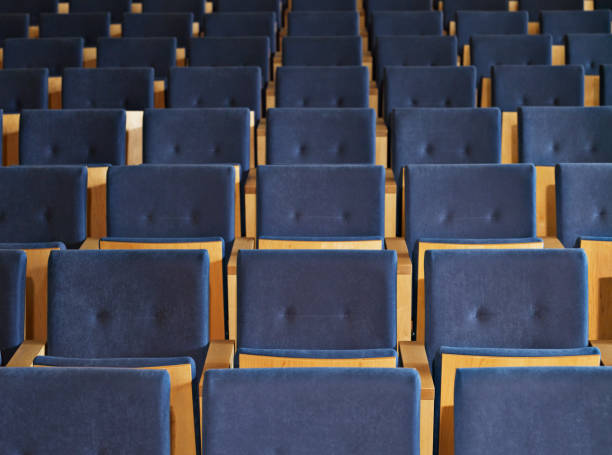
[451, 7]
[535, 7]
[373, 6]
[13, 25]
[146, 25]
[560, 23]
[471, 23]
[591, 51]
[606, 85]
[31, 7]
[89, 26]
[394, 23]
[116, 8]
[324, 5]
[241, 24]
[175, 6]
[329, 23]
[23, 89]
[250, 6]
[12, 302]
[322, 51]
[52, 53]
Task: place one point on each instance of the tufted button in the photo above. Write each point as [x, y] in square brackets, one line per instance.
[346, 314]
[232, 102]
[429, 149]
[602, 213]
[302, 150]
[494, 215]
[305, 102]
[480, 314]
[194, 216]
[346, 216]
[592, 148]
[216, 150]
[296, 216]
[289, 312]
[523, 101]
[536, 311]
[528, 62]
[103, 316]
[447, 102]
[415, 102]
[340, 102]
[199, 101]
[445, 217]
[88, 103]
[556, 147]
[149, 217]
[125, 104]
[467, 151]
[47, 214]
[555, 101]
[176, 149]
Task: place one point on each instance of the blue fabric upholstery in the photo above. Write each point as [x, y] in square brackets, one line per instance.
[517, 352]
[322, 51]
[428, 87]
[321, 354]
[605, 75]
[175, 6]
[560, 23]
[347, 86]
[332, 23]
[551, 135]
[534, 7]
[471, 23]
[52, 53]
[583, 201]
[317, 200]
[46, 204]
[537, 85]
[89, 26]
[321, 136]
[317, 300]
[475, 201]
[216, 87]
[31, 7]
[349, 411]
[85, 410]
[589, 50]
[197, 136]
[324, 5]
[393, 23]
[145, 25]
[490, 50]
[239, 51]
[249, 6]
[32, 245]
[83, 137]
[23, 89]
[567, 408]
[603, 4]
[158, 53]
[241, 24]
[13, 26]
[452, 6]
[12, 301]
[115, 7]
[396, 5]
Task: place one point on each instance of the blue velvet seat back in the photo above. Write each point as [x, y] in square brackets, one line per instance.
[490, 50]
[146, 25]
[583, 201]
[319, 300]
[605, 74]
[52, 53]
[535, 7]
[31, 7]
[12, 301]
[216, 87]
[603, 4]
[347, 86]
[396, 5]
[322, 51]
[320, 201]
[232, 51]
[13, 25]
[139, 304]
[387, 421]
[567, 408]
[197, 136]
[475, 201]
[89, 26]
[537, 85]
[560, 23]
[471, 23]
[551, 135]
[23, 89]
[87, 410]
[393, 23]
[444, 136]
[428, 87]
[248, 6]
[452, 6]
[324, 5]
[321, 136]
[332, 23]
[43, 204]
[115, 7]
[241, 24]
[175, 6]
[156, 53]
[589, 50]
[520, 299]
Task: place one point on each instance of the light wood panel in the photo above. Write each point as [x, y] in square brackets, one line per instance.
[390, 204]
[252, 162]
[262, 133]
[27, 352]
[10, 139]
[96, 201]
[90, 57]
[181, 56]
[34, 31]
[55, 92]
[373, 96]
[546, 209]
[232, 285]
[274, 244]
[136, 7]
[271, 95]
[220, 356]
[605, 347]
[599, 254]
[509, 138]
[486, 92]
[116, 30]
[533, 28]
[133, 136]
[404, 288]
[260, 361]
[36, 293]
[591, 90]
[159, 94]
[63, 8]
[558, 54]
[250, 204]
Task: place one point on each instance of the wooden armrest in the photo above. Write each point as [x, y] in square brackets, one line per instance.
[390, 204]
[250, 204]
[27, 352]
[552, 242]
[404, 263]
[241, 243]
[220, 356]
[605, 347]
[232, 283]
[90, 243]
[404, 287]
[414, 356]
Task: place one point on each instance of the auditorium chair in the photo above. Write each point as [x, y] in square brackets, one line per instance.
[536, 7]
[451, 7]
[561, 23]
[399, 23]
[322, 415]
[241, 24]
[591, 51]
[116, 8]
[324, 5]
[251, 6]
[59, 410]
[12, 302]
[373, 6]
[177, 6]
[319, 23]
[603, 4]
[31, 7]
[44, 210]
[12, 25]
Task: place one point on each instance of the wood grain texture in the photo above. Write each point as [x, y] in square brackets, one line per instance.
[558, 54]
[404, 288]
[260, 361]
[220, 356]
[232, 285]
[382, 143]
[546, 200]
[90, 243]
[591, 90]
[181, 56]
[116, 30]
[467, 57]
[533, 28]
[599, 256]
[27, 352]
[159, 94]
[90, 57]
[10, 139]
[96, 201]
[136, 7]
[271, 95]
[63, 8]
[55, 92]
[133, 136]
[252, 163]
[486, 92]
[274, 244]
[509, 153]
[605, 347]
[390, 204]
[34, 31]
[373, 97]
[261, 142]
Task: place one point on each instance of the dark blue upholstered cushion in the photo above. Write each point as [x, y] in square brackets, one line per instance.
[31, 7]
[393, 23]
[241, 24]
[216, 87]
[105, 304]
[348, 411]
[321, 300]
[583, 201]
[83, 137]
[557, 410]
[232, 51]
[473, 201]
[321, 136]
[603, 4]
[115, 7]
[537, 85]
[324, 5]
[157, 53]
[428, 86]
[32, 245]
[197, 136]
[52, 53]
[171, 201]
[490, 50]
[396, 5]
[551, 135]
[12, 301]
[589, 50]
[321, 354]
[23, 89]
[175, 6]
[452, 6]
[347, 86]
[330, 23]
[249, 6]
[322, 51]
[605, 75]
[560, 23]
[317, 200]
[107, 88]
[13, 25]
[471, 23]
[534, 7]
[177, 25]
[89, 26]
[43, 204]
[85, 410]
